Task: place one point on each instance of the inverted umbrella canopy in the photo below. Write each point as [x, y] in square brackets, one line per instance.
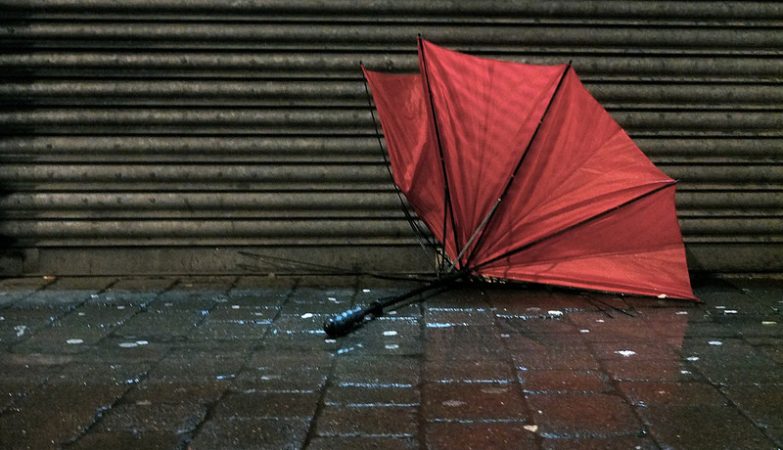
[522, 175]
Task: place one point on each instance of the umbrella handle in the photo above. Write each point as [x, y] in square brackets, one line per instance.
[345, 322]
[348, 320]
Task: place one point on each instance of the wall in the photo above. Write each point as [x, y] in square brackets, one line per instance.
[176, 136]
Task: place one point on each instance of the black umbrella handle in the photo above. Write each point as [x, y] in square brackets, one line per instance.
[345, 322]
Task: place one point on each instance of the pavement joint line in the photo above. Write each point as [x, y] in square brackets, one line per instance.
[530, 417]
[141, 310]
[721, 390]
[212, 406]
[616, 391]
[321, 405]
[101, 412]
[66, 312]
[187, 438]
[421, 423]
[29, 294]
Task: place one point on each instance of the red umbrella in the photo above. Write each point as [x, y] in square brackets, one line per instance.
[520, 174]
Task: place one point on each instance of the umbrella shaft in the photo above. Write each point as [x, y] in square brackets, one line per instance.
[345, 322]
[450, 278]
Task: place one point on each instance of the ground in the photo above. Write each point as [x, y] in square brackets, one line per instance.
[242, 362]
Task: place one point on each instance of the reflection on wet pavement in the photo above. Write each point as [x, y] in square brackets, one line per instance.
[231, 362]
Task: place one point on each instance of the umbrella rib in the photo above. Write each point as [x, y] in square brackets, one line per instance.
[448, 210]
[420, 237]
[524, 247]
[481, 229]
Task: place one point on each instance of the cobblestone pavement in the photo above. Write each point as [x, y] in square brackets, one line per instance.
[211, 363]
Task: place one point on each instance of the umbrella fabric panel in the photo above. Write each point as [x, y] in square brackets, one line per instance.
[580, 165]
[412, 147]
[636, 248]
[486, 112]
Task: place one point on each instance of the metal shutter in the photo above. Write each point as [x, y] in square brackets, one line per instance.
[166, 137]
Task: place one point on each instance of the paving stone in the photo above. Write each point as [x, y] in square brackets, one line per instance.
[477, 436]
[198, 365]
[756, 369]
[363, 397]
[628, 369]
[468, 371]
[450, 402]
[273, 371]
[698, 426]
[262, 298]
[127, 440]
[646, 394]
[267, 404]
[77, 330]
[230, 330]
[121, 298]
[237, 312]
[55, 299]
[620, 329]
[23, 373]
[376, 422]
[309, 323]
[177, 390]
[613, 443]
[53, 415]
[533, 301]
[442, 316]
[765, 326]
[9, 298]
[376, 371]
[551, 357]
[386, 337]
[128, 349]
[463, 342]
[19, 324]
[774, 352]
[361, 443]
[143, 417]
[252, 433]
[639, 351]
[92, 371]
[163, 326]
[303, 343]
[712, 330]
[190, 300]
[545, 327]
[554, 381]
[762, 404]
[583, 415]
[318, 301]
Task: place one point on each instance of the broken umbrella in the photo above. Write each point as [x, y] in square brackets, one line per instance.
[520, 174]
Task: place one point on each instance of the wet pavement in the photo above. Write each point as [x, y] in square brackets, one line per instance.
[241, 362]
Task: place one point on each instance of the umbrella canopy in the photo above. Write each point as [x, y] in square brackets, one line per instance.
[521, 174]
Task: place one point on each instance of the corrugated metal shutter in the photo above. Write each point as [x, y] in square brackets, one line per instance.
[164, 136]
